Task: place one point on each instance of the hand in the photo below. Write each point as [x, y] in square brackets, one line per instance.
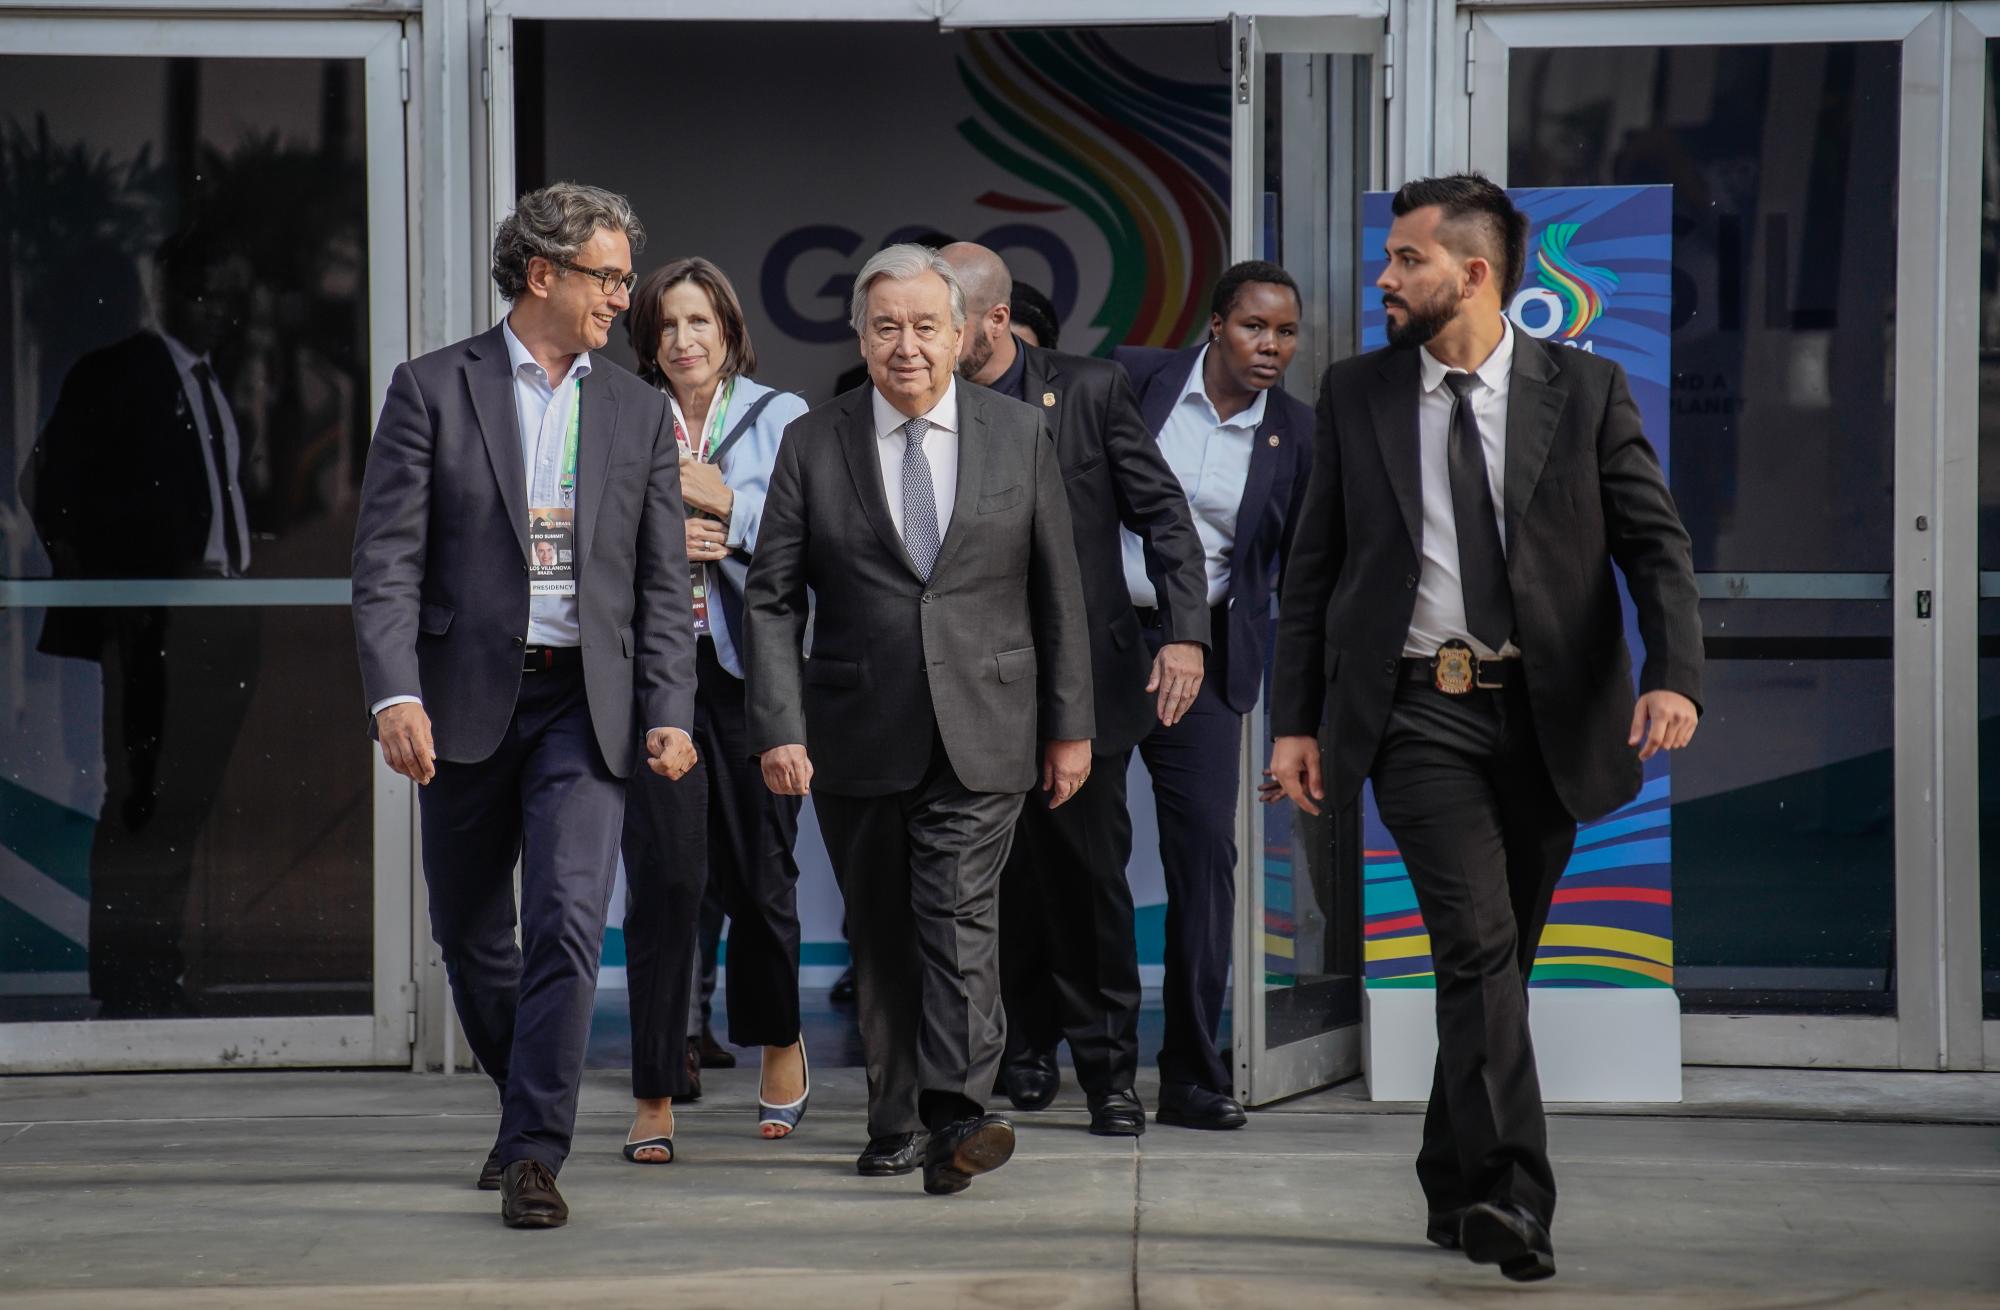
[1672, 718]
[703, 489]
[788, 770]
[1295, 765]
[1065, 766]
[670, 753]
[405, 733]
[707, 541]
[1177, 672]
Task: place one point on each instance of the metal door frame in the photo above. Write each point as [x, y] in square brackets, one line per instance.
[1929, 1029]
[384, 1036]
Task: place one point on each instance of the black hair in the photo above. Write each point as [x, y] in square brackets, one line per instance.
[1036, 312]
[1474, 201]
[1230, 286]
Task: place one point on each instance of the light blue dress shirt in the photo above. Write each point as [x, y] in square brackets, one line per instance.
[541, 409]
[1211, 457]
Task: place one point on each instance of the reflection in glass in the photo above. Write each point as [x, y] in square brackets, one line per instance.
[1989, 545]
[1784, 163]
[185, 813]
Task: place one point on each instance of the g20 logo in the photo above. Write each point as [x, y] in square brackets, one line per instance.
[1571, 295]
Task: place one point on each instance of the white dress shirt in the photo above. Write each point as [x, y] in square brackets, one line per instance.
[214, 554]
[1440, 613]
[1211, 457]
[541, 412]
[940, 448]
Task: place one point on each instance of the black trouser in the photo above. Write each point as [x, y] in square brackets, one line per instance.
[921, 873]
[1462, 788]
[177, 688]
[545, 796]
[1069, 962]
[718, 824]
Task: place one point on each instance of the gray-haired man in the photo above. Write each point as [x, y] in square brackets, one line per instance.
[520, 585]
[930, 522]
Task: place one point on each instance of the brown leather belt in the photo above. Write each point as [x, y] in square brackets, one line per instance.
[542, 659]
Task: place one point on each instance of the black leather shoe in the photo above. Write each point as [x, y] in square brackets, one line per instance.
[971, 1147]
[1198, 1107]
[691, 1066]
[1117, 1114]
[528, 1197]
[489, 1173]
[1031, 1079]
[1441, 1228]
[886, 1157]
[842, 992]
[1502, 1233]
[714, 1055]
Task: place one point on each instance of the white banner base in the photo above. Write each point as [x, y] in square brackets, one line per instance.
[1591, 1044]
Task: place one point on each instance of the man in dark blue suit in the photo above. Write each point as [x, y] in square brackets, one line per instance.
[1241, 448]
[514, 683]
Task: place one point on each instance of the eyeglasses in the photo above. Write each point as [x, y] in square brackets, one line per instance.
[608, 279]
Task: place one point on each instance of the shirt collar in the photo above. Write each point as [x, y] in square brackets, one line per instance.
[517, 356]
[888, 418]
[1196, 385]
[184, 359]
[1499, 365]
[1012, 382]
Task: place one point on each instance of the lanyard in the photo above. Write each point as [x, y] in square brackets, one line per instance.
[717, 415]
[569, 440]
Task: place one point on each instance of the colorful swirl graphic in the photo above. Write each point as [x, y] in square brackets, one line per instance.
[1143, 157]
[1611, 925]
[1582, 288]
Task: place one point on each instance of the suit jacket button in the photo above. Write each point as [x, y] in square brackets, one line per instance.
[1388, 666]
[1410, 582]
[520, 643]
[929, 597]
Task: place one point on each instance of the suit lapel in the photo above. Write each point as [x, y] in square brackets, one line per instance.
[1534, 404]
[973, 447]
[491, 384]
[1164, 388]
[864, 466]
[599, 424]
[1042, 378]
[1392, 401]
[1266, 449]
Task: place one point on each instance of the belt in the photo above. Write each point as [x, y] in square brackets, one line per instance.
[541, 659]
[1455, 671]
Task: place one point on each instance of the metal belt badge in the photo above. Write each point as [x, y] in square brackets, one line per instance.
[552, 552]
[1454, 668]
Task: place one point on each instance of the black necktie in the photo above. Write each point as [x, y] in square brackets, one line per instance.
[218, 446]
[1482, 562]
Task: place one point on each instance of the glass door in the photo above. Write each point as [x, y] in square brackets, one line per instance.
[1801, 144]
[1304, 147]
[202, 291]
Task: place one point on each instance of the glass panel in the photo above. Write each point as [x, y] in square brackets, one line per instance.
[185, 803]
[1784, 164]
[1989, 544]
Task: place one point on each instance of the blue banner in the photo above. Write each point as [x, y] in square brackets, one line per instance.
[1598, 279]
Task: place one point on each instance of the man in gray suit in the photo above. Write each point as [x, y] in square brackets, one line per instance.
[930, 523]
[520, 586]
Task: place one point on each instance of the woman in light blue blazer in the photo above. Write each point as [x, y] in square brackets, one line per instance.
[720, 824]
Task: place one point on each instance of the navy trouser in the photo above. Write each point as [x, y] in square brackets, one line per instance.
[1195, 767]
[544, 796]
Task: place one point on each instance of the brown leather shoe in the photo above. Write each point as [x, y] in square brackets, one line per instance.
[714, 1055]
[693, 1066]
[528, 1197]
[489, 1173]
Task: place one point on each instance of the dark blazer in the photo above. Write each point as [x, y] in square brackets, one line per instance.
[120, 488]
[1583, 490]
[1280, 459]
[1116, 478]
[992, 651]
[441, 554]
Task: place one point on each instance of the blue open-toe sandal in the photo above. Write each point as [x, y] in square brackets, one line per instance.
[785, 1117]
[666, 1144]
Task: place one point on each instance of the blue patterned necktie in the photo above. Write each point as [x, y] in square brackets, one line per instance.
[920, 515]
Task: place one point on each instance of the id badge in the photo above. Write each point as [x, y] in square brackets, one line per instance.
[551, 552]
[698, 590]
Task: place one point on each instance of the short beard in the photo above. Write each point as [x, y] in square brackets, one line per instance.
[1420, 324]
[978, 353]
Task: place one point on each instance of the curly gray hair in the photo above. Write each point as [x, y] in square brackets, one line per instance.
[555, 223]
[901, 263]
